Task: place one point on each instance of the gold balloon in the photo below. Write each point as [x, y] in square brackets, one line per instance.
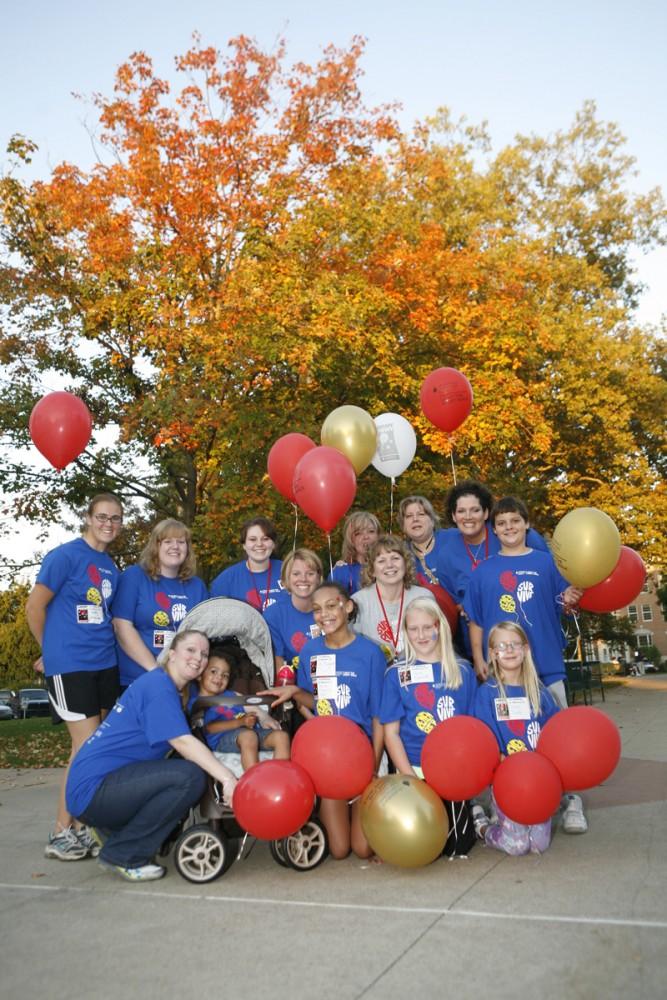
[586, 546]
[352, 431]
[403, 820]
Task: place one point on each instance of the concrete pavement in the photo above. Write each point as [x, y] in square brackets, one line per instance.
[587, 919]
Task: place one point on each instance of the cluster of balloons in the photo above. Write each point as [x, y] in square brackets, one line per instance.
[322, 480]
[60, 426]
[587, 548]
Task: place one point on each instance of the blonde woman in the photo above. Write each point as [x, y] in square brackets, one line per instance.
[360, 530]
[153, 598]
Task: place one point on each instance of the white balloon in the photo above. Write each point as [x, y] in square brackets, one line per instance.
[397, 443]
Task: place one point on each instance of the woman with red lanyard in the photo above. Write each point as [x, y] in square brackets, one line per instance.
[426, 541]
[255, 580]
[389, 576]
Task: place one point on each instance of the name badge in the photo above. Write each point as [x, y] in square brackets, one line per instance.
[325, 665]
[162, 638]
[89, 614]
[327, 687]
[502, 709]
[421, 673]
[314, 631]
[519, 708]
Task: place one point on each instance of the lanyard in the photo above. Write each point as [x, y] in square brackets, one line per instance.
[262, 604]
[386, 617]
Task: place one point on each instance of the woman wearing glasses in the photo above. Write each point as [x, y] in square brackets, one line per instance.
[68, 612]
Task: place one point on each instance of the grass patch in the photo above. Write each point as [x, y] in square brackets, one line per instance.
[33, 743]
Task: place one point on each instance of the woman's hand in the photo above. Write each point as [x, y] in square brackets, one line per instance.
[228, 786]
[571, 596]
[281, 694]
[38, 665]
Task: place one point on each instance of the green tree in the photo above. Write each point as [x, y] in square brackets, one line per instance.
[18, 649]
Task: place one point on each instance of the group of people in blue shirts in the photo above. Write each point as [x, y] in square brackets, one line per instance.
[407, 632]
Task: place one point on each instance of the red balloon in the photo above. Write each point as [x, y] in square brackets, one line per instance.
[273, 799]
[337, 755]
[527, 787]
[324, 485]
[446, 398]
[584, 745]
[283, 459]
[60, 426]
[459, 757]
[620, 588]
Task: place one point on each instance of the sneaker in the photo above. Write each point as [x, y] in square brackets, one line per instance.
[144, 873]
[65, 846]
[89, 838]
[573, 820]
[480, 821]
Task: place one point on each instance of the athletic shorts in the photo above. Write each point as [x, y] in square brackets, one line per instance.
[82, 694]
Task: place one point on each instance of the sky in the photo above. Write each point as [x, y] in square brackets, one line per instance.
[521, 67]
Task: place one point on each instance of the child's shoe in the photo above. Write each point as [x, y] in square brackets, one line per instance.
[573, 820]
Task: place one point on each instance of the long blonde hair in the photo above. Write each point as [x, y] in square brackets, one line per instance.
[449, 665]
[528, 679]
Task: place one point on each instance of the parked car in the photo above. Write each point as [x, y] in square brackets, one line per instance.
[34, 701]
[5, 712]
[9, 699]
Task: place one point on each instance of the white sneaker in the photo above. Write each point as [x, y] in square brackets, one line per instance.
[573, 820]
[143, 873]
[65, 846]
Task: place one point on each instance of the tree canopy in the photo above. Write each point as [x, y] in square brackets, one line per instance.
[259, 247]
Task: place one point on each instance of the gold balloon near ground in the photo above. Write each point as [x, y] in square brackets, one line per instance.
[404, 820]
[586, 546]
[352, 431]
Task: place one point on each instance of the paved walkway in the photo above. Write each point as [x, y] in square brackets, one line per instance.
[588, 919]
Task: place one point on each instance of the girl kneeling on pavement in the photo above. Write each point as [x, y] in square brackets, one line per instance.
[120, 783]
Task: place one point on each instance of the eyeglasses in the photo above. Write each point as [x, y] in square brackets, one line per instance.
[505, 646]
[108, 519]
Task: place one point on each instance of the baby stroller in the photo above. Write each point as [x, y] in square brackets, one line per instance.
[205, 847]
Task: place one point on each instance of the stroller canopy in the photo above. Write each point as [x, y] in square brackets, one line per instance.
[224, 617]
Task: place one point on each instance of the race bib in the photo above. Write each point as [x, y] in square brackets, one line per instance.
[421, 673]
[162, 638]
[327, 687]
[325, 665]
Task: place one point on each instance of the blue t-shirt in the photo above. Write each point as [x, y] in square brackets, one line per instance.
[155, 608]
[355, 672]
[522, 589]
[138, 728]
[418, 698]
[457, 562]
[431, 559]
[348, 575]
[78, 634]
[517, 734]
[290, 629]
[261, 590]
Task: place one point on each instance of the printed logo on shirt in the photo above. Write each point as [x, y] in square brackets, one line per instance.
[178, 612]
[533, 734]
[343, 696]
[93, 595]
[161, 618]
[425, 722]
[424, 695]
[324, 707]
[446, 708]
[516, 746]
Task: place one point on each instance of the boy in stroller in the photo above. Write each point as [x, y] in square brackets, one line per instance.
[232, 724]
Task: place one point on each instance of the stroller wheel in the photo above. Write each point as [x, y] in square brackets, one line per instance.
[307, 848]
[202, 854]
[277, 848]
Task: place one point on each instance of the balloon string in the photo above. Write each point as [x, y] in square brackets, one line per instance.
[330, 559]
[296, 525]
[391, 503]
[451, 455]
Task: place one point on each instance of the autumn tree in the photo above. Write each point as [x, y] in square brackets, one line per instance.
[18, 649]
[261, 248]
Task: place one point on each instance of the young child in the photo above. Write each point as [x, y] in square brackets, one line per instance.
[340, 673]
[427, 687]
[514, 704]
[237, 728]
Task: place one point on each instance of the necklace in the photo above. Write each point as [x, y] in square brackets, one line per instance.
[474, 556]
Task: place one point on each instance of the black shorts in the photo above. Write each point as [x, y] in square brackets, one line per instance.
[82, 694]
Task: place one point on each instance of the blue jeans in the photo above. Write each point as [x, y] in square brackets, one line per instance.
[139, 805]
